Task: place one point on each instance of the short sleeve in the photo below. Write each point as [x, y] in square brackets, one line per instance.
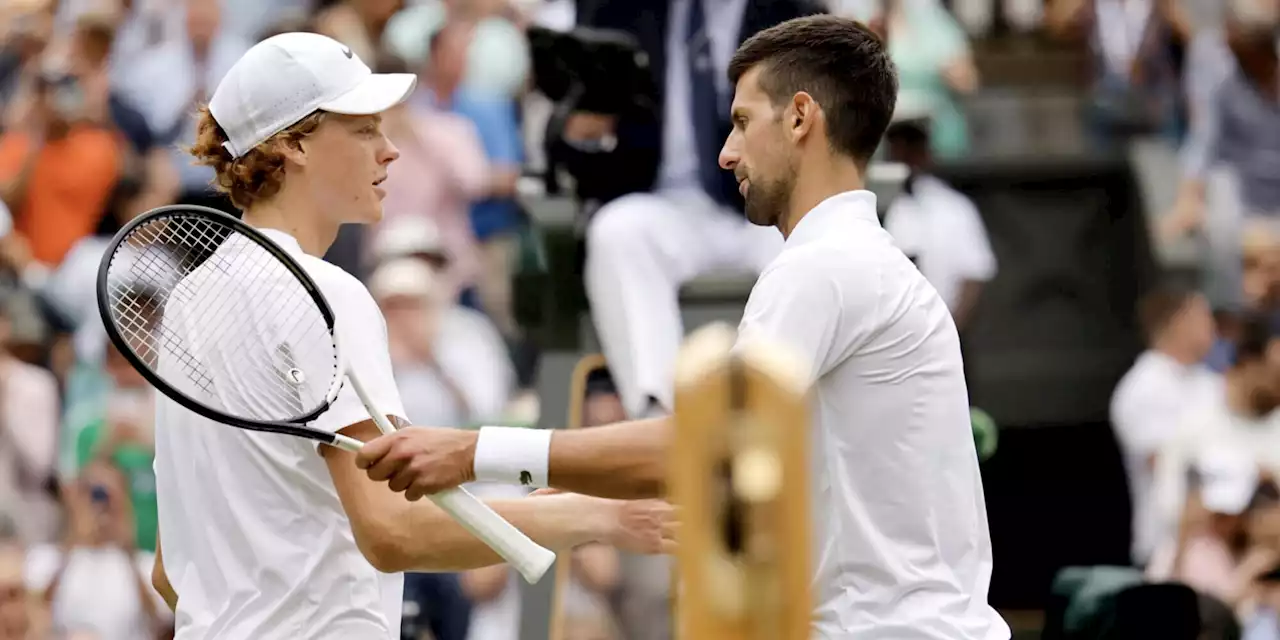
[799, 303]
[1144, 418]
[362, 337]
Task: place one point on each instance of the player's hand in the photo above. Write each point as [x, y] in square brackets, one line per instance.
[420, 461]
[643, 526]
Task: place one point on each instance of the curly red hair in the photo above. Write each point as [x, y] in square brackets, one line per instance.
[257, 175]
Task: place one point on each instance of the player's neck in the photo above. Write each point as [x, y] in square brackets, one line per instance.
[816, 181]
[314, 235]
[1180, 353]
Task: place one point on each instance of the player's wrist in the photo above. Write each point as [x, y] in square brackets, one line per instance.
[512, 455]
[602, 520]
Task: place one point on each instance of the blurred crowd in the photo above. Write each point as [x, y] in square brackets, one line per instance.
[97, 100]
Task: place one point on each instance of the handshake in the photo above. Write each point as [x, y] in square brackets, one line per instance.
[420, 461]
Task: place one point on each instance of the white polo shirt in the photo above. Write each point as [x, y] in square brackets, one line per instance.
[901, 548]
[1146, 410]
[941, 230]
[255, 541]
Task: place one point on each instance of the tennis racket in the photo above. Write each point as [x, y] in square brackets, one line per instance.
[219, 318]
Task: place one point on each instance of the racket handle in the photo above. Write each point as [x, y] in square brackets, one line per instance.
[521, 552]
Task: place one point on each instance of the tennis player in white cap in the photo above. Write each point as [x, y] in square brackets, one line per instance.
[269, 536]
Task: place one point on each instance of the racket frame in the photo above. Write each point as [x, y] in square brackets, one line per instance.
[292, 427]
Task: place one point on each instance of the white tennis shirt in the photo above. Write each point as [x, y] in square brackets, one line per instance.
[255, 541]
[901, 549]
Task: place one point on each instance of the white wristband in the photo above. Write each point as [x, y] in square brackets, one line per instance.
[513, 455]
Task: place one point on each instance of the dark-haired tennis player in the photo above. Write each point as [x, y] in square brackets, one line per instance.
[903, 551]
[265, 536]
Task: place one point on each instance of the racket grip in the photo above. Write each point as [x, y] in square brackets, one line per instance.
[530, 559]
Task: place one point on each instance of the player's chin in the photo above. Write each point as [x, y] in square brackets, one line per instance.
[369, 213]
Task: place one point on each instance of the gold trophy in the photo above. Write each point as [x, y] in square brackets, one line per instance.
[739, 475]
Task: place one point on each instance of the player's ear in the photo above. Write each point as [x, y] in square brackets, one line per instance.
[801, 114]
[293, 149]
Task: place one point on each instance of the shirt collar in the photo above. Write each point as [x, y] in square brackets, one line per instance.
[286, 241]
[849, 205]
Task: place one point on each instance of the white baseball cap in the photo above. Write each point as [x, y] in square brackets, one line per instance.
[408, 235]
[285, 78]
[403, 277]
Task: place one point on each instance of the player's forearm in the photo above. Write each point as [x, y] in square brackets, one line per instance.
[625, 460]
[422, 537]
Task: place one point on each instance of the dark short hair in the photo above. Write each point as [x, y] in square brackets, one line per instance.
[600, 381]
[1256, 333]
[838, 61]
[1158, 308]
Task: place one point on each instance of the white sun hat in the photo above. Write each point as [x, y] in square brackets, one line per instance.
[285, 78]
[1228, 479]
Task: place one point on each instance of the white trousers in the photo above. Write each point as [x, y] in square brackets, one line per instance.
[640, 249]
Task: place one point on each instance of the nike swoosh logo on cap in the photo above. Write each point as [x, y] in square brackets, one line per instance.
[346, 51]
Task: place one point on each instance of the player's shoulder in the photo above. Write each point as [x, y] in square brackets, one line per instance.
[857, 261]
[347, 296]
[333, 280]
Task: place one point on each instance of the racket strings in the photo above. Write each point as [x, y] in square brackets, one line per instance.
[221, 319]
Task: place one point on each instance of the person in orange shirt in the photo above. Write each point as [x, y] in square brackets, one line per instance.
[57, 171]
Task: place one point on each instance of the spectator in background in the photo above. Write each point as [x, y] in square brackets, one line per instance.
[97, 581]
[115, 425]
[935, 67]
[1155, 395]
[448, 360]
[25, 29]
[191, 62]
[1237, 419]
[496, 218]
[1260, 608]
[16, 621]
[1211, 546]
[145, 26]
[451, 368]
[936, 226]
[28, 441]
[58, 167]
[1136, 76]
[153, 179]
[1231, 183]
[442, 169]
[670, 214]
[359, 24]
[596, 575]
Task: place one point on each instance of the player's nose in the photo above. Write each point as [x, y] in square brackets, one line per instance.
[389, 152]
[729, 154]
